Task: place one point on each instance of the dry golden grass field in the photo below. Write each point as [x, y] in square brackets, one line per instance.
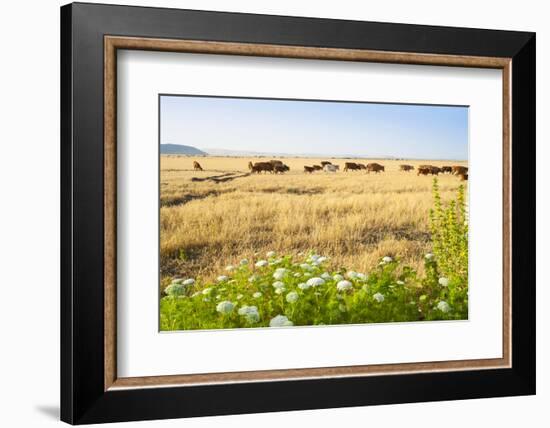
[213, 218]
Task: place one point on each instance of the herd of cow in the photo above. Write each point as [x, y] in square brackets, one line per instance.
[458, 170]
[278, 167]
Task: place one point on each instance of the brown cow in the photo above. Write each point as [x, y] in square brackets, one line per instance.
[317, 168]
[446, 169]
[276, 162]
[463, 176]
[260, 166]
[197, 166]
[428, 169]
[457, 170]
[406, 168]
[308, 169]
[351, 166]
[323, 163]
[362, 166]
[281, 169]
[435, 170]
[423, 170]
[374, 167]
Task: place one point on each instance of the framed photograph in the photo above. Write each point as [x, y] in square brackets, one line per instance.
[266, 213]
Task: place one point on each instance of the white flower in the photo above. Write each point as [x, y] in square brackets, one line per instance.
[175, 289]
[338, 277]
[280, 321]
[444, 282]
[243, 262]
[279, 287]
[314, 282]
[253, 317]
[239, 296]
[278, 284]
[271, 254]
[196, 293]
[443, 306]
[314, 257]
[387, 259]
[378, 297]
[222, 278]
[429, 256]
[257, 295]
[230, 268]
[275, 262]
[326, 275]
[189, 281]
[305, 266]
[207, 290]
[250, 313]
[399, 282]
[279, 273]
[351, 274]
[362, 276]
[303, 286]
[261, 263]
[292, 297]
[252, 278]
[297, 275]
[321, 259]
[344, 285]
[225, 307]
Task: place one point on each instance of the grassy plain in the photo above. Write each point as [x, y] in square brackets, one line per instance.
[213, 218]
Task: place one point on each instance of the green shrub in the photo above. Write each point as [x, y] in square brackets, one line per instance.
[449, 230]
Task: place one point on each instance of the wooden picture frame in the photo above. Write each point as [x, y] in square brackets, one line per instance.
[91, 390]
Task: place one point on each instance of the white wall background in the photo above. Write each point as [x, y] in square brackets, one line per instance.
[29, 216]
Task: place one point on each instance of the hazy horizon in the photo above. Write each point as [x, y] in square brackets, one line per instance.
[315, 128]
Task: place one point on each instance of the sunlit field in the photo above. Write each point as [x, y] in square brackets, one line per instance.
[216, 217]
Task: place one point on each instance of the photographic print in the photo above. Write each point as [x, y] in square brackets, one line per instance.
[288, 212]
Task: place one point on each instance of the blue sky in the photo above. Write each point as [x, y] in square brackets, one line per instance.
[316, 127]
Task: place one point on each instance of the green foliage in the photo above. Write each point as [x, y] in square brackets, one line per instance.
[391, 293]
[449, 230]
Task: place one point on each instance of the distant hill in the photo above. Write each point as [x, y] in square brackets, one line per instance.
[180, 149]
